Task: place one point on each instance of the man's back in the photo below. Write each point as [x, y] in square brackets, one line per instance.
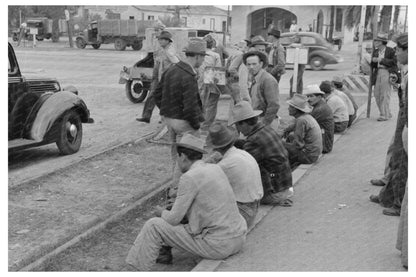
[308, 132]
[243, 174]
[325, 118]
[338, 108]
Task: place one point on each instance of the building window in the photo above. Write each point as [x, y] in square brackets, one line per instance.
[203, 21]
[185, 21]
[212, 23]
[131, 17]
[150, 17]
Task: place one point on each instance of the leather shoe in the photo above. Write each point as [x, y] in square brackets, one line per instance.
[165, 255]
[377, 182]
[374, 198]
[391, 211]
[143, 119]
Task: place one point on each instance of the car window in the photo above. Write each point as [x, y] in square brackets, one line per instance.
[308, 40]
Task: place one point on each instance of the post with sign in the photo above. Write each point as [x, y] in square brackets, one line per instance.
[296, 54]
[33, 32]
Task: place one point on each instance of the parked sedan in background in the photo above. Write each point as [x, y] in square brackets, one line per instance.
[320, 50]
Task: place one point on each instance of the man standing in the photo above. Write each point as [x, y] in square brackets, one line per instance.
[277, 55]
[323, 115]
[210, 93]
[241, 169]
[178, 97]
[383, 63]
[215, 229]
[266, 146]
[264, 89]
[305, 144]
[164, 57]
[338, 107]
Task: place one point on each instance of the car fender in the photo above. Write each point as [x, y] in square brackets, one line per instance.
[52, 109]
[327, 56]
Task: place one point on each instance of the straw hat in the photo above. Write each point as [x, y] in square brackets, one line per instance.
[300, 102]
[192, 142]
[313, 89]
[196, 46]
[242, 111]
[220, 135]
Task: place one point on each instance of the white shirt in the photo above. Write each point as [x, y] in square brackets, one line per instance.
[346, 100]
[243, 174]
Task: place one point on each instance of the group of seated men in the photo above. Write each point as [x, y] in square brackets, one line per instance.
[217, 198]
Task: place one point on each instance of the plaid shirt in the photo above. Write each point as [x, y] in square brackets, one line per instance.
[266, 146]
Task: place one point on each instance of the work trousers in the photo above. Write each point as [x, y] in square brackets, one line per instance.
[149, 105]
[249, 211]
[177, 128]
[382, 93]
[298, 156]
[340, 127]
[156, 233]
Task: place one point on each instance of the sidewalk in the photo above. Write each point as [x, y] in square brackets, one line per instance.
[332, 225]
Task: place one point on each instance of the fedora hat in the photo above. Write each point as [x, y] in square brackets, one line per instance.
[258, 40]
[220, 135]
[382, 37]
[192, 142]
[242, 111]
[300, 102]
[262, 56]
[196, 46]
[274, 32]
[313, 89]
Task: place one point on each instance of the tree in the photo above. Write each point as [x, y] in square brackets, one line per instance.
[170, 21]
[385, 19]
[353, 15]
[396, 18]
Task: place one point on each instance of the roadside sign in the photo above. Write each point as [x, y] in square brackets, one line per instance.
[33, 31]
[302, 56]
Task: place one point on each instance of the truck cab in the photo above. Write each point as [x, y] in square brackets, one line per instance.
[41, 112]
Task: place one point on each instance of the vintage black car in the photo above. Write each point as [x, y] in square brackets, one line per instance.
[320, 51]
[40, 112]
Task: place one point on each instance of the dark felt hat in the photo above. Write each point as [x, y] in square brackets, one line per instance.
[165, 35]
[274, 32]
[221, 135]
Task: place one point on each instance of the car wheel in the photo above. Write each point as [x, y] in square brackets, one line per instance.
[135, 91]
[137, 45]
[69, 133]
[81, 43]
[317, 63]
[120, 44]
[96, 46]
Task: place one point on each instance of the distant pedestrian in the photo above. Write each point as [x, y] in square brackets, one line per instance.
[266, 146]
[337, 105]
[304, 137]
[323, 115]
[163, 57]
[293, 27]
[383, 63]
[241, 169]
[215, 229]
[276, 56]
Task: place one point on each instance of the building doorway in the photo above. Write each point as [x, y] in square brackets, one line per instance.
[265, 19]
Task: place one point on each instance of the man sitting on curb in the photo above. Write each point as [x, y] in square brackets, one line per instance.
[305, 143]
[338, 107]
[265, 145]
[323, 115]
[241, 169]
[215, 230]
[339, 86]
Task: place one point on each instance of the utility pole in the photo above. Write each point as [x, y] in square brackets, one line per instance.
[67, 17]
[405, 19]
[360, 38]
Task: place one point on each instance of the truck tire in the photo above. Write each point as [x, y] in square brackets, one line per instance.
[69, 133]
[81, 43]
[120, 44]
[135, 91]
[137, 45]
[96, 46]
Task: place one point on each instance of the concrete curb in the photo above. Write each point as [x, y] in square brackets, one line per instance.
[297, 174]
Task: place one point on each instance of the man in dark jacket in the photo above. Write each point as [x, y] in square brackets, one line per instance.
[277, 55]
[383, 62]
[178, 98]
[323, 115]
[266, 146]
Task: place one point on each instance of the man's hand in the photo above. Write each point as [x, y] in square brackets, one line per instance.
[159, 211]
